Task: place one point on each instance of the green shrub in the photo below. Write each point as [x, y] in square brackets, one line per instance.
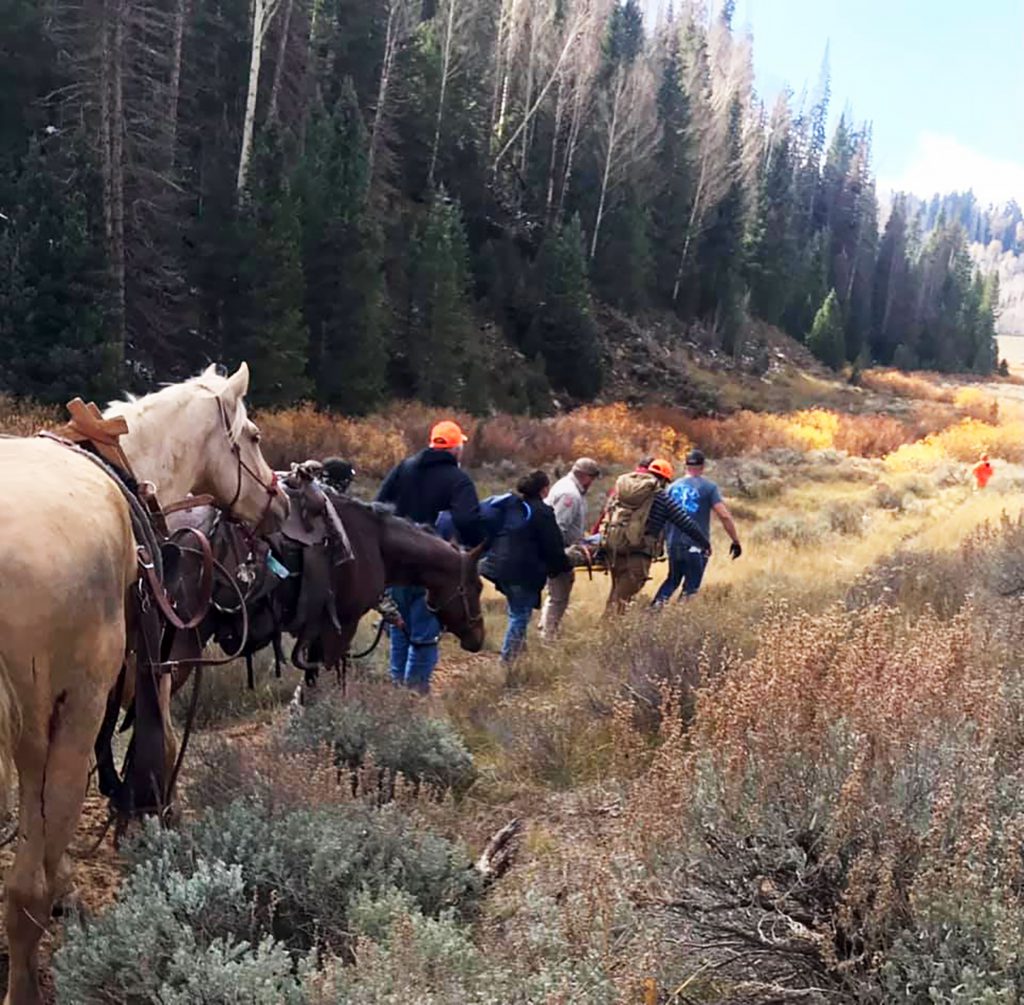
[386, 728]
[403, 956]
[170, 933]
[222, 904]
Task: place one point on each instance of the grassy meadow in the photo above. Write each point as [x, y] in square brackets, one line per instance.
[802, 785]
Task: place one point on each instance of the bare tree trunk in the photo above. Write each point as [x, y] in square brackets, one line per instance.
[606, 173]
[572, 144]
[446, 69]
[553, 164]
[532, 110]
[282, 50]
[498, 91]
[524, 152]
[698, 196]
[262, 14]
[180, 13]
[117, 169]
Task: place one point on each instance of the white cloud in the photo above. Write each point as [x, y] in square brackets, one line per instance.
[941, 163]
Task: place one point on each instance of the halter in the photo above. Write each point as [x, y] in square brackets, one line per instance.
[236, 449]
[460, 592]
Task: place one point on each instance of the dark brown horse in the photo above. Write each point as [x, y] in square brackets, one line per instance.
[305, 591]
[391, 551]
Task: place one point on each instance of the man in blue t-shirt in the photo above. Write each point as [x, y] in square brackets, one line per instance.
[686, 558]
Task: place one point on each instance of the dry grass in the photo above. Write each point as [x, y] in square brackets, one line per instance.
[24, 418]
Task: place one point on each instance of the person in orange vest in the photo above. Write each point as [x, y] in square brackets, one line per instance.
[982, 471]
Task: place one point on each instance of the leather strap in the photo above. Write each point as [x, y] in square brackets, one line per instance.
[189, 502]
[159, 595]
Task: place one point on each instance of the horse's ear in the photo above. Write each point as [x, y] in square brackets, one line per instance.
[238, 383]
[210, 371]
[475, 554]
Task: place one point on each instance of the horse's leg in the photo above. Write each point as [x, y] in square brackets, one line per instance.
[106, 770]
[53, 757]
[170, 736]
[27, 903]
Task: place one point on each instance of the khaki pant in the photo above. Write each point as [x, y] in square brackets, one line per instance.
[629, 573]
[559, 589]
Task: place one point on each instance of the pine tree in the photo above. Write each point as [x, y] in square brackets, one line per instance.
[341, 261]
[671, 203]
[827, 339]
[720, 255]
[265, 324]
[772, 257]
[622, 269]
[441, 351]
[563, 329]
[55, 325]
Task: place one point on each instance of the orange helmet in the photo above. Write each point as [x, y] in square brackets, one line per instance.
[447, 435]
[662, 468]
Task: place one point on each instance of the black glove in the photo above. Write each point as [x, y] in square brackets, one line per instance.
[735, 550]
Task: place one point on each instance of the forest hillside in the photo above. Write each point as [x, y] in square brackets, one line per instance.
[442, 200]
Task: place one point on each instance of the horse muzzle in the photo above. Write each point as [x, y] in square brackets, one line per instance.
[473, 641]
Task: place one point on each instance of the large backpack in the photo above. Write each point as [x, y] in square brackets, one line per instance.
[624, 530]
[501, 514]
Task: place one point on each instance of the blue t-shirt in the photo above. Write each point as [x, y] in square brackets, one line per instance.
[698, 496]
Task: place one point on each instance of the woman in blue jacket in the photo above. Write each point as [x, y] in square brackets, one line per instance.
[523, 557]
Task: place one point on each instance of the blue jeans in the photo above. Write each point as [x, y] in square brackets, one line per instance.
[521, 602]
[414, 649]
[686, 567]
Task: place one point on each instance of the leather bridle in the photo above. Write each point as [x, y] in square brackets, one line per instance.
[270, 488]
[461, 592]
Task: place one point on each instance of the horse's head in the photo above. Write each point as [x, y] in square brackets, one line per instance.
[235, 466]
[197, 437]
[455, 599]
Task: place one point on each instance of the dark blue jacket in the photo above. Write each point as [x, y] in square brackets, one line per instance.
[527, 555]
[431, 481]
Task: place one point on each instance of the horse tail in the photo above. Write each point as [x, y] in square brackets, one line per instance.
[10, 728]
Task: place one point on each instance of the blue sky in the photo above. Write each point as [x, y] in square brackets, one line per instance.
[942, 81]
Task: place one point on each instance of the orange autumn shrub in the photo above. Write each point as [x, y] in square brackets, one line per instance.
[853, 773]
[373, 445]
[24, 418]
[904, 385]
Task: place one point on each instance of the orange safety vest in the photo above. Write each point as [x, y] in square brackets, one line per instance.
[982, 472]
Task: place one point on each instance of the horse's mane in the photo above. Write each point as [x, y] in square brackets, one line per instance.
[209, 382]
[381, 511]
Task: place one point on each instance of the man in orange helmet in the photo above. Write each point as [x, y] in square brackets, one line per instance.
[982, 472]
[420, 488]
[632, 530]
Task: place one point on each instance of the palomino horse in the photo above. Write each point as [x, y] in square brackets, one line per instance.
[67, 563]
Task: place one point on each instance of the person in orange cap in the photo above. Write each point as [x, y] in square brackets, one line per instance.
[634, 525]
[420, 488]
[982, 472]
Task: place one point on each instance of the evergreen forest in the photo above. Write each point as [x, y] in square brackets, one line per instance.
[431, 199]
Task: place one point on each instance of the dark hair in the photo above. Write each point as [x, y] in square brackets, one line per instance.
[530, 486]
[645, 462]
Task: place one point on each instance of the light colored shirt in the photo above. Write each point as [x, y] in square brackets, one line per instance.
[568, 501]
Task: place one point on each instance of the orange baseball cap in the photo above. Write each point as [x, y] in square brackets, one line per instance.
[662, 468]
[446, 435]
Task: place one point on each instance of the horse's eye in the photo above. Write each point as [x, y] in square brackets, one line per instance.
[256, 437]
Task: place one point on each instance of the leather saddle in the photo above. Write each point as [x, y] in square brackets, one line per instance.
[312, 518]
